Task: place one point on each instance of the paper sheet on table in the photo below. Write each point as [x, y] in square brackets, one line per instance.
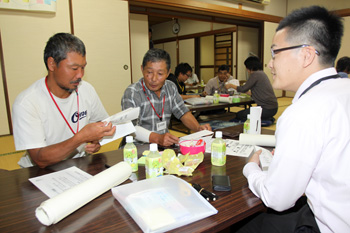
[121, 131]
[197, 135]
[233, 147]
[55, 209]
[198, 101]
[57, 182]
[257, 139]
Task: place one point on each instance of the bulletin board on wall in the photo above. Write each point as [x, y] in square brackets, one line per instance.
[29, 5]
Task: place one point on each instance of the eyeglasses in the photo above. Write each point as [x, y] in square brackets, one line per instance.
[189, 75]
[275, 51]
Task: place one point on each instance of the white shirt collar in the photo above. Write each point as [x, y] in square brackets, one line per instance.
[313, 78]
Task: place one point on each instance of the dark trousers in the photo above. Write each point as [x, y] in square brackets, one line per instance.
[301, 220]
[266, 114]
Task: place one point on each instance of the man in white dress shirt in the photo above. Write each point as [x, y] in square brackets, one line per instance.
[312, 154]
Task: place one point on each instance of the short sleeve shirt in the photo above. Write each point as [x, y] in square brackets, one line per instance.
[136, 96]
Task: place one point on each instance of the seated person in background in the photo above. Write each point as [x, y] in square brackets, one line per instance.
[218, 83]
[262, 93]
[50, 120]
[192, 80]
[182, 72]
[311, 157]
[343, 67]
[158, 98]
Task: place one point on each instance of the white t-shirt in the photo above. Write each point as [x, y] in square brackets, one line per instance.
[312, 155]
[38, 123]
[234, 82]
[193, 79]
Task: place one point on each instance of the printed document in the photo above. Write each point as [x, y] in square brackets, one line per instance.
[57, 182]
[234, 148]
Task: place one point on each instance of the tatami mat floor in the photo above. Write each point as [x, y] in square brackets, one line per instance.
[9, 156]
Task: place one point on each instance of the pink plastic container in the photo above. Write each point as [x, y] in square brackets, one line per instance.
[224, 95]
[197, 147]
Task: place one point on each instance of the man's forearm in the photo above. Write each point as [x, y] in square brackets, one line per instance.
[55, 153]
[190, 121]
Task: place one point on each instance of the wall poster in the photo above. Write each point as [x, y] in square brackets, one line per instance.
[30, 5]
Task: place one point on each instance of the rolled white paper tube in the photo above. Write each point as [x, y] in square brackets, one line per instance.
[55, 209]
[257, 139]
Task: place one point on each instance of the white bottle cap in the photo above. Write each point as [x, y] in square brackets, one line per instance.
[129, 139]
[153, 147]
[216, 91]
[218, 134]
[248, 116]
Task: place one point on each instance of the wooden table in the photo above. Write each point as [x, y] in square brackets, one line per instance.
[211, 106]
[197, 88]
[19, 198]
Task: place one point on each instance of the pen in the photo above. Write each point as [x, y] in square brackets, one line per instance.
[206, 194]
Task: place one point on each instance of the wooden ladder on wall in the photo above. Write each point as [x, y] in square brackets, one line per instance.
[223, 50]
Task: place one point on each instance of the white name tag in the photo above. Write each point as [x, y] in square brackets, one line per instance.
[161, 126]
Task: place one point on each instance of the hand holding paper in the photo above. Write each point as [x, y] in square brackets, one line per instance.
[122, 121]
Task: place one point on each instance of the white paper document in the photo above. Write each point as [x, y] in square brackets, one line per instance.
[198, 101]
[265, 158]
[57, 182]
[233, 148]
[121, 131]
[122, 121]
[124, 116]
[197, 135]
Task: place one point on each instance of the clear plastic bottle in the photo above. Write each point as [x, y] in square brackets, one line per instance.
[153, 164]
[216, 98]
[246, 126]
[130, 153]
[218, 150]
[202, 83]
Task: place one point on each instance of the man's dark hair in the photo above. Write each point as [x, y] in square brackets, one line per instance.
[224, 67]
[343, 65]
[253, 63]
[182, 68]
[317, 27]
[60, 44]
[156, 55]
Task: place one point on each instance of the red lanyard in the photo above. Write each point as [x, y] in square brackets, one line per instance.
[76, 91]
[144, 91]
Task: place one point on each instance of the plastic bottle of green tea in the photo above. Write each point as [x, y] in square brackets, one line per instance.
[246, 126]
[153, 163]
[216, 98]
[218, 150]
[130, 153]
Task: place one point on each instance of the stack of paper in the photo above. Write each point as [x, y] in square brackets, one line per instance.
[198, 101]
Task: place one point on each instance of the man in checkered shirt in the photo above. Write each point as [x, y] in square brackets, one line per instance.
[158, 99]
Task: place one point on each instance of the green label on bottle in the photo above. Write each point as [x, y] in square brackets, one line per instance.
[216, 98]
[218, 153]
[154, 167]
[246, 126]
[130, 156]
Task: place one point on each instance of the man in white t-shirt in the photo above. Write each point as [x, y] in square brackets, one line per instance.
[52, 119]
